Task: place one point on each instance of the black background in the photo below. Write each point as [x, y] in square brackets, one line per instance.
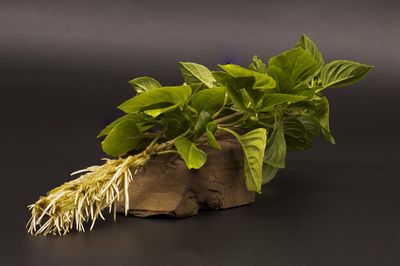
[65, 65]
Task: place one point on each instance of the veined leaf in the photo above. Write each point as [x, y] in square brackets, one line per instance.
[203, 119]
[309, 46]
[300, 132]
[122, 138]
[268, 173]
[262, 81]
[143, 84]
[221, 77]
[209, 100]
[195, 74]
[210, 129]
[234, 88]
[174, 95]
[158, 111]
[342, 72]
[258, 65]
[275, 150]
[175, 123]
[141, 123]
[322, 116]
[292, 68]
[253, 145]
[272, 99]
[193, 156]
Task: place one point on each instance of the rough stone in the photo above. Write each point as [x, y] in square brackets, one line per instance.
[167, 187]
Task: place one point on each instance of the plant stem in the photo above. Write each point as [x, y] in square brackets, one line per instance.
[227, 117]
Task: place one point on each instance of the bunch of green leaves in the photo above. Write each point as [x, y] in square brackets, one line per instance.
[270, 109]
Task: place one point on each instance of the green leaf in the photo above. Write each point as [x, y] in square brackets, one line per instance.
[210, 129]
[151, 101]
[175, 123]
[262, 81]
[300, 132]
[209, 100]
[322, 115]
[122, 138]
[342, 72]
[253, 145]
[142, 123]
[234, 89]
[310, 47]
[292, 68]
[258, 65]
[156, 112]
[193, 156]
[221, 77]
[269, 172]
[272, 99]
[275, 150]
[196, 74]
[143, 84]
[202, 120]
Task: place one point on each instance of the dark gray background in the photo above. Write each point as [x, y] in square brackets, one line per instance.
[65, 65]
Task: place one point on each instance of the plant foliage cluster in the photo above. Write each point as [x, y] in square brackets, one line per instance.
[270, 108]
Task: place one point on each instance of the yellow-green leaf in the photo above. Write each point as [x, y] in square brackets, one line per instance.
[193, 156]
[210, 129]
[253, 145]
[196, 74]
[122, 138]
[262, 81]
[143, 84]
[158, 100]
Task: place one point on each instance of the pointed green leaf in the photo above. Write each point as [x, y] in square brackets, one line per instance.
[142, 123]
[258, 65]
[122, 138]
[269, 172]
[300, 132]
[156, 112]
[193, 156]
[221, 77]
[210, 129]
[166, 97]
[203, 119]
[262, 81]
[175, 123]
[310, 47]
[342, 72]
[195, 74]
[292, 68]
[253, 144]
[234, 88]
[143, 84]
[272, 99]
[322, 116]
[209, 100]
[275, 150]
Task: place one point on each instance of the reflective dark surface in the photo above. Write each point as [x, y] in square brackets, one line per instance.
[64, 67]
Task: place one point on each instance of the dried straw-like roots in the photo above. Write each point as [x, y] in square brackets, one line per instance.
[83, 199]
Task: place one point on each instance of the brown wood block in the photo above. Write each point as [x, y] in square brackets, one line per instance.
[167, 187]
